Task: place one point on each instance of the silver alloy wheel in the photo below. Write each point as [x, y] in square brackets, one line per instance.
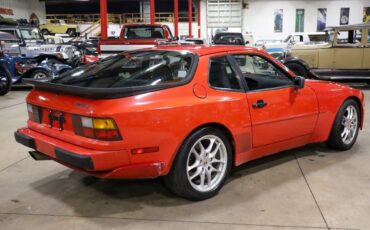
[206, 164]
[350, 124]
[40, 76]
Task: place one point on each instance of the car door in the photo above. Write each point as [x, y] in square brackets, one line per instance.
[279, 111]
[348, 50]
[366, 42]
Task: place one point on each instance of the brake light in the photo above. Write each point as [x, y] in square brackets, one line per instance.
[34, 113]
[96, 128]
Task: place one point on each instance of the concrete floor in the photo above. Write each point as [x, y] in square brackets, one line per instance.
[307, 188]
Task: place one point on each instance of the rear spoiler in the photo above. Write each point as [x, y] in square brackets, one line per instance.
[97, 93]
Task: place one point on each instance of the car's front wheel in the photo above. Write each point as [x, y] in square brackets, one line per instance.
[346, 126]
[40, 75]
[5, 81]
[201, 166]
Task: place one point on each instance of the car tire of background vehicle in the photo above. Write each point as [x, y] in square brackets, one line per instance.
[346, 126]
[203, 159]
[71, 32]
[297, 69]
[40, 75]
[5, 81]
[45, 32]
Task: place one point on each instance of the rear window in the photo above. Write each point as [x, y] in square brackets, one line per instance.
[143, 32]
[132, 69]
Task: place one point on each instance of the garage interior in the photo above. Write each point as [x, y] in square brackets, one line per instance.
[310, 187]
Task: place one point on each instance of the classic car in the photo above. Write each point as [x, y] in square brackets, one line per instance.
[32, 43]
[345, 57]
[184, 113]
[297, 38]
[13, 64]
[56, 26]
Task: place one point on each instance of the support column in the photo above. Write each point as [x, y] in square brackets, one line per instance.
[190, 16]
[176, 16]
[199, 19]
[152, 12]
[103, 19]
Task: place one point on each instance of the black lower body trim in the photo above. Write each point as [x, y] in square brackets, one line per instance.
[25, 140]
[83, 162]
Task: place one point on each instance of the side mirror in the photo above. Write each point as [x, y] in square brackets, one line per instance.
[247, 42]
[298, 82]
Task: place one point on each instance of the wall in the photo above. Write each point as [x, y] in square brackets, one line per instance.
[259, 17]
[24, 8]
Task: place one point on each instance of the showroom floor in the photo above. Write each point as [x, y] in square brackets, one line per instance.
[306, 188]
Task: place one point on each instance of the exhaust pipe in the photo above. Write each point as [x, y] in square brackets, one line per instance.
[37, 156]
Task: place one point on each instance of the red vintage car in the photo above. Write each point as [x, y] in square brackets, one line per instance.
[185, 113]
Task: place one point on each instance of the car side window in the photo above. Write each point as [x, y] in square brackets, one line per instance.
[221, 75]
[259, 73]
[349, 38]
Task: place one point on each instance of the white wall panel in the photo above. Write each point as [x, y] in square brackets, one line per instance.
[24, 8]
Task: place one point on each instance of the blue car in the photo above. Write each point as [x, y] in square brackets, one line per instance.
[46, 69]
[18, 66]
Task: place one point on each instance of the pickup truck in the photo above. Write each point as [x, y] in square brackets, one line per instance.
[135, 36]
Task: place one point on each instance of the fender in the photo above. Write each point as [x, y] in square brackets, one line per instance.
[301, 62]
[28, 73]
[42, 57]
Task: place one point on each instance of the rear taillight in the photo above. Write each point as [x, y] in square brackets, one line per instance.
[96, 128]
[34, 113]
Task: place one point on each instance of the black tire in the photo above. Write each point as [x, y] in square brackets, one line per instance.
[335, 140]
[45, 32]
[178, 181]
[71, 32]
[298, 69]
[5, 81]
[40, 75]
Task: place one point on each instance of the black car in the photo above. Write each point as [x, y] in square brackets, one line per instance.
[228, 38]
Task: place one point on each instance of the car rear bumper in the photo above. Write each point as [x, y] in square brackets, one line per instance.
[103, 164]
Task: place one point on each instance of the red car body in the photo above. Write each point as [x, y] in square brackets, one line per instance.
[154, 125]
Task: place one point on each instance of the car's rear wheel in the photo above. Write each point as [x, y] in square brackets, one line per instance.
[346, 126]
[71, 32]
[201, 166]
[45, 32]
[297, 69]
[5, 81]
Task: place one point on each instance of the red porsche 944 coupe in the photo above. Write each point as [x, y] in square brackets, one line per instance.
[185, 113]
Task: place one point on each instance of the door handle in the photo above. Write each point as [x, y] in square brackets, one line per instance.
[259, 104]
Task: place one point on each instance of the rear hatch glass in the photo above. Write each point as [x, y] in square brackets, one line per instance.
[131, 69]
[126, 73]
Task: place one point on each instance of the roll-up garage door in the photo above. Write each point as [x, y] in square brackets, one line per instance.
[224, 13]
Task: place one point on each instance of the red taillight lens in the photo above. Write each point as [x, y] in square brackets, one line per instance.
[96, 128]
[34, 113]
